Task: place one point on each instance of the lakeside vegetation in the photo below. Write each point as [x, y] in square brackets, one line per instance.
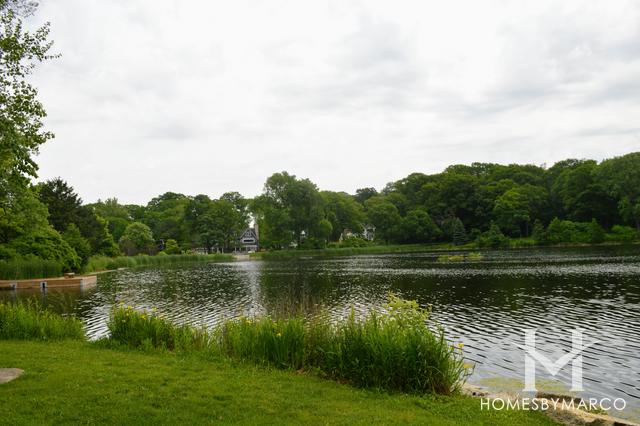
[487, 204]
[151, 370]
[393, 350]
[29, 321]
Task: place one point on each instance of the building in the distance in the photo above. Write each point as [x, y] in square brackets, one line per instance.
[249, 240]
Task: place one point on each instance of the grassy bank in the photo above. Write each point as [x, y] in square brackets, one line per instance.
[152, 372]
[74, 382]
[102, 263]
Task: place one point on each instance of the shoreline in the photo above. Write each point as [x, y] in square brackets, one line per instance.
[413, 248]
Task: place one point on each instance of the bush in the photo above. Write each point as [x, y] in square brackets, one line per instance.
[30, 321]
[566, 231]
[493, 238]
[623, 234]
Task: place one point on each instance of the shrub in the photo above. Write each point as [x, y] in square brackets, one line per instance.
[31, 321]
[566, 231]
[493, 238]
[623, 234]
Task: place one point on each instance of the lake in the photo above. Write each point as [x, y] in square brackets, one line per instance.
[484, 304]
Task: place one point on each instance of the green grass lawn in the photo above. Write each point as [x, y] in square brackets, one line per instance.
[74, 382]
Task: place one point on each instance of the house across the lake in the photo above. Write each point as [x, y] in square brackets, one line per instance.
[249, 240]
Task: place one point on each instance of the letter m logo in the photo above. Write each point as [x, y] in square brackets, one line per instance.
[532, 356]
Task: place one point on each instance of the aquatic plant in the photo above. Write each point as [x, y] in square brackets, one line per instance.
[30, 321]
[397, 348]
[102, 263]
[149, 330]
[18, 269]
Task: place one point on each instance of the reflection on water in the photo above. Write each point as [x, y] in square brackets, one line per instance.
[484, 304]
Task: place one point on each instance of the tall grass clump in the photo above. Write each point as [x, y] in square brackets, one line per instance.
[265, 341]
[394, 349]
[151, 331]
[30, 321]
[18, 269]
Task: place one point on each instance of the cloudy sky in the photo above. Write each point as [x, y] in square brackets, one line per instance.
[207, 96]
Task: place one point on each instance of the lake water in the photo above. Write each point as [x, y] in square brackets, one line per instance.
[484, 304]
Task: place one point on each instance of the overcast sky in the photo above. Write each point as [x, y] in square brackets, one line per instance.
[207, 96]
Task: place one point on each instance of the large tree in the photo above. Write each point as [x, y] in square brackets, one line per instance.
[21, 114]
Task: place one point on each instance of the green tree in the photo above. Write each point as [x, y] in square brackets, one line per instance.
[493, 238]
[21, 114]
[385, 217]
[511, 212]
[81, 246]
[165, 215]
[620, 177]
[418, 227]
[343, 212]
[137, 238]
[300, 208]
[116, 215]
[171, 247]
[65, 208]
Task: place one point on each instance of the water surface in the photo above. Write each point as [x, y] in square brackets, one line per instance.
[486, 305]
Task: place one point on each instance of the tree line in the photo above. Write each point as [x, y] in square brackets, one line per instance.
[572, 201]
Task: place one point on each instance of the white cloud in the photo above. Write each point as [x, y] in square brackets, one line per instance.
[205, 97]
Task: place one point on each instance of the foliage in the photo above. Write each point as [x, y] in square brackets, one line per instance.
[385, 216]
[149, 330]
[472, 256]
[566, 231]
[288, 209]
[493, 238]
[418, 227]
[78, 243]
[394, 350]
[30, 321]
[66, 209]
[171, 247]
[137, 238]
[19, 268]
[104, 263]
[216, 224]
[624, 234]
[620, 177]
[21, 114]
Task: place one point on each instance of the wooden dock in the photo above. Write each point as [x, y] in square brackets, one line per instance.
[46, 283]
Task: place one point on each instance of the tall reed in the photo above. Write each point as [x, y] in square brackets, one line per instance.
[102, 263]
[17, 269]
[30, 321]
[394, 349]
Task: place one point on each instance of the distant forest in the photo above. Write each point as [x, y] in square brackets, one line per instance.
[574, 201]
